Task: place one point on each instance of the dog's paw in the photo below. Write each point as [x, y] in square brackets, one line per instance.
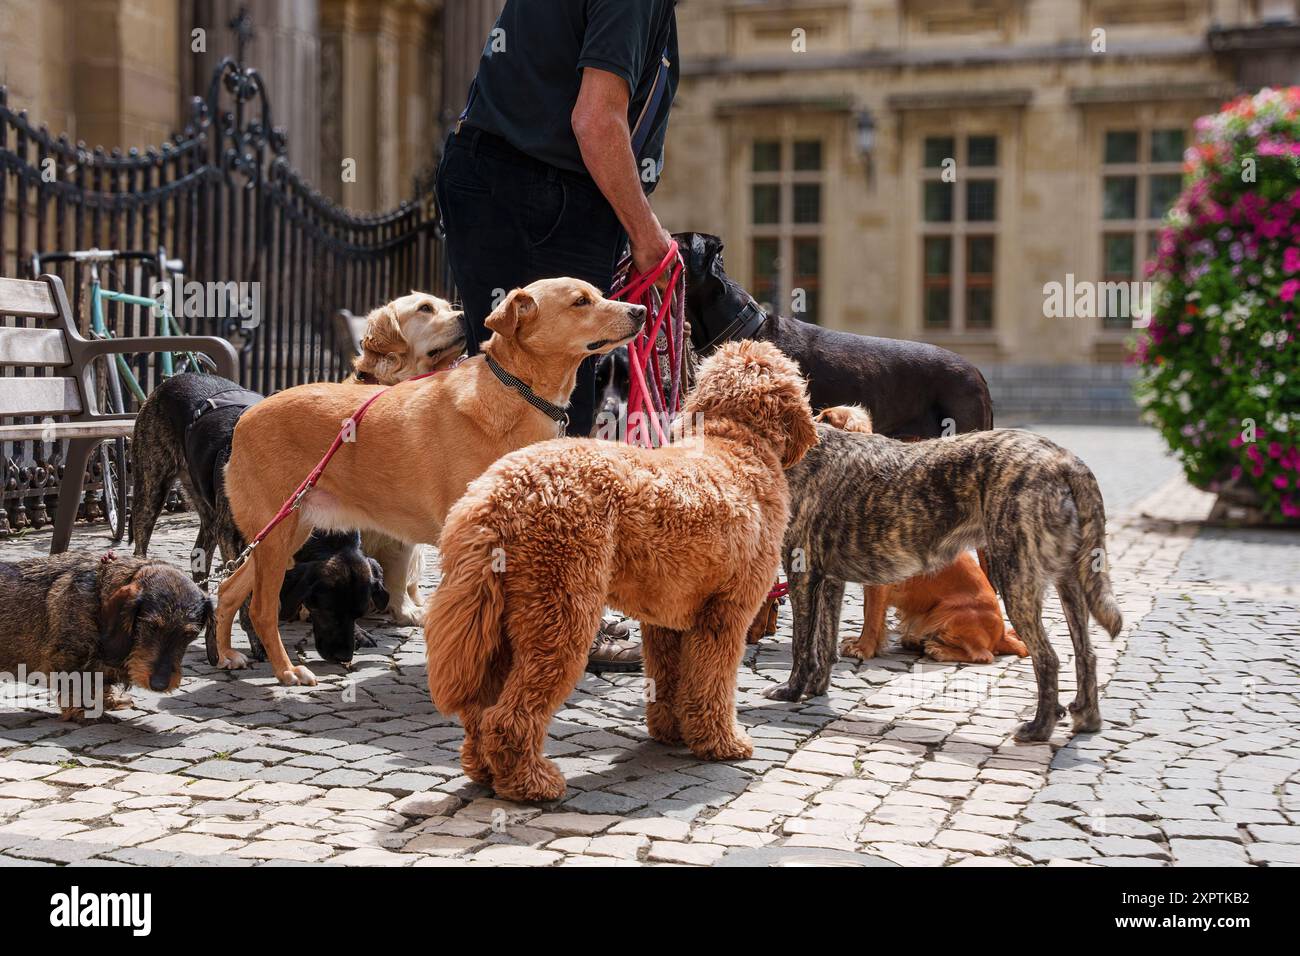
[734, 746]
[782, 692]
[853, 648]
[297, 675]
[662, 727]
[232, 661]
[536, 782]
[408, 615]
[1036, 730]
[1087, 719]
[119, 702]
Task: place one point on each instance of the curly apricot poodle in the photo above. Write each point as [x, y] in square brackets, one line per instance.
[686, 538]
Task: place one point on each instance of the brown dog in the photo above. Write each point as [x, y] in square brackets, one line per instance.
[74, 617]
[686, 538]
[414, 335]
[951, 615]
[416, 450]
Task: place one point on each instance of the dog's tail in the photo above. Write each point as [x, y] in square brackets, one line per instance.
[463, 627]
[1090, 560]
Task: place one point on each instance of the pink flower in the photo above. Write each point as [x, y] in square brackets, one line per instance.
[1274, 450]
[1289, 508]
[1290, 289]
[1280, 482]
[1291, 260]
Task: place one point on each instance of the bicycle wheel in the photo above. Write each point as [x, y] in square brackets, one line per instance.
[112, 457]
[112, 464]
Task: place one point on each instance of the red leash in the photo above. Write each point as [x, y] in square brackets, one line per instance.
[659, 403]
[294, 501]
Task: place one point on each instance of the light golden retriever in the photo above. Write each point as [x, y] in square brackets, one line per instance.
[414, 335]
[415, 451]
[410, 336]
[686, 538]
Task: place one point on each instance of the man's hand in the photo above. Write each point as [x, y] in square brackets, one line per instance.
[600, 125]
[647, 253]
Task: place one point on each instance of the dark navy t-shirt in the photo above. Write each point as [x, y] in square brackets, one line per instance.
[531, 70]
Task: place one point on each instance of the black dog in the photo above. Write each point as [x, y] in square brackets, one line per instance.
[911, 389]
[184, 430]
[83, 623]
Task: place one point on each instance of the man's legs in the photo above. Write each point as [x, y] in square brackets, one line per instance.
[509, 224]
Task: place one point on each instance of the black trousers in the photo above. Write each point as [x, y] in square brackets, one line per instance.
[511, 220]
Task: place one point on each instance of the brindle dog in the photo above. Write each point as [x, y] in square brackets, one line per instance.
[184, 431]
[82, 614]
[872, 510]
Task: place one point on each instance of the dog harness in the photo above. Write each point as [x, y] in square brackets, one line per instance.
[205, 455]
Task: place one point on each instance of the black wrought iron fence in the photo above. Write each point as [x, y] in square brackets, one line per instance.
[271, 257]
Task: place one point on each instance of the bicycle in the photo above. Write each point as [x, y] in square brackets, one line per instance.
[108, 385]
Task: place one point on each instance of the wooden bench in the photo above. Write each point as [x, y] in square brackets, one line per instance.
[57, 346]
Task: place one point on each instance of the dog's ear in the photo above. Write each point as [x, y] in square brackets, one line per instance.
[383, 347]
[298, 583]
[518, 306]
[208, 616]
[379, 596]
[849, 418]
[800, 430]
[117, 622]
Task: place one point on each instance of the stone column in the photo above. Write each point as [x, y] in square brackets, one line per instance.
[285, 49]
[465, 27]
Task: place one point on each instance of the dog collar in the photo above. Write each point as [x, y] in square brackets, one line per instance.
[555, 413]
[745, 325]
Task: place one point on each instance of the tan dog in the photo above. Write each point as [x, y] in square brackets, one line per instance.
[685, 538]
[419, 445]
[414, 335]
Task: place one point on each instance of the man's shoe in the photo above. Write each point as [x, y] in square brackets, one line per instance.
[613, 649]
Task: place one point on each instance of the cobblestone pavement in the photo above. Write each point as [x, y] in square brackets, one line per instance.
[904, 761]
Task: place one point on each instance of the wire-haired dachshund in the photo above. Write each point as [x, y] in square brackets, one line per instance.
[184, 431]
[75, 616]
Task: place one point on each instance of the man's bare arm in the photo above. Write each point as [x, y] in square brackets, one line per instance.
[600, 125]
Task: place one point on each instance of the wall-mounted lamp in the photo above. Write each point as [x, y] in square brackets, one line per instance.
[866, 124]
[866, 139]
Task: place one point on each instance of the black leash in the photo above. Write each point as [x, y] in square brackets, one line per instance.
[555, 413]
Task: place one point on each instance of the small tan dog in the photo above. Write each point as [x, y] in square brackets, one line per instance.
[416, 450]
[686, 538]
[414, 335]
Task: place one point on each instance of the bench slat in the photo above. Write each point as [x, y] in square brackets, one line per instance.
[57, 431]
[39, 396]
[25, 297]
[19, 346]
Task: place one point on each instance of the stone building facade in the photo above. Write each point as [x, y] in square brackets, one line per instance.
[909, 168]
[358, 80]
[923, 168]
